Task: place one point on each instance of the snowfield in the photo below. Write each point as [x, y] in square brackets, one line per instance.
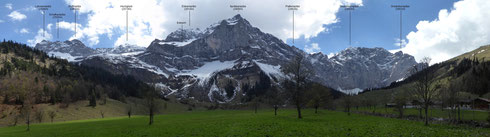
[66, 56]
[178, 44]
[270, 69]
[206, 70]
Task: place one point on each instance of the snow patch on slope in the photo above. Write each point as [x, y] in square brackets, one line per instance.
[177, 43]
[350, 91]
[154, 69]
[163, 86]
[66, 56]
[270, 69]
[205, 71]
[131, 60]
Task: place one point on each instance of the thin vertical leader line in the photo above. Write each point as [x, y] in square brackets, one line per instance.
[350, 29]
[75, 23]
[57, 28]
[182, 32]
[401, 29]
[127, 28]
[44, 24]
[293, 26]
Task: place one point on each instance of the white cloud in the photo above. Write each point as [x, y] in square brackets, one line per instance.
[17, 16]
[463, 28]
[397, 43]
[39, 37]
[1, 21]
[29, 8]
[150, 19]
[71, 26]
[313, 48]
[8, 6]
[24, 31]
[393, 51]
[146, 20]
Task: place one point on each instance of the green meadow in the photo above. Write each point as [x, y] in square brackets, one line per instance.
[244, 123]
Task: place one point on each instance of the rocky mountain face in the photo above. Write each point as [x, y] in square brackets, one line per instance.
[231, 59]
[121, 49]
[70, 50]
[354, 69]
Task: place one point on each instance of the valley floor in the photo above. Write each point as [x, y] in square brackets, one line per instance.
[245, 123]
[466, 115]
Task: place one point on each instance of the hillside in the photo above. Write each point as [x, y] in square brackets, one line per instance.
[468, 73]
[482, 53]
[80, 110]
[29, 77]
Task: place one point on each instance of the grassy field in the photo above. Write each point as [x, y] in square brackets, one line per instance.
[244, 123]
[433, 112]
[80, 110]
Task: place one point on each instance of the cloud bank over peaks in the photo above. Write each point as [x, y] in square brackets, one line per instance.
[150, 19]
[463, 28]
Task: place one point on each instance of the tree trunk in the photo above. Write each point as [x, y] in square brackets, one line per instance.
[426, 114]
[348, 111]
[316, 109]
[28, 123]
[151, 116]
[299, 111]
[400, 111]
[473, 110]
[449, 113]
[275, 110]
[459, 114]
[255, 108]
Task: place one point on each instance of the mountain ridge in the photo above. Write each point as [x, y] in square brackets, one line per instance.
[233, 52]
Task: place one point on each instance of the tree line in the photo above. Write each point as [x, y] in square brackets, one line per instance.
[448, 85]
[29, 76]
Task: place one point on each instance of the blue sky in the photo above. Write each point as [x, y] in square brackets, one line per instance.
[34, 20]
[439, 35]
[375, 24]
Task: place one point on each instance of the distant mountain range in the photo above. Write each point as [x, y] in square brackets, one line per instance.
[200, 64]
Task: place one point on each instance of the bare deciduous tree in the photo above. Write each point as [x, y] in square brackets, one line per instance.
[151, 97]
[384, 100]
[256, 103]
[27, 95]
[275, 98]
[425, 85]
[52, 114]
[347, 102]
[92, 98]
[26, 110]
[450, 95]
[298, 73]
[400, 99]
[129, 110]
[318, 95]
[39, 115]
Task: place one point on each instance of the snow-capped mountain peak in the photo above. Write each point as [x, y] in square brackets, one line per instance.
[204, 64]
[237, 19]
[70, 50]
